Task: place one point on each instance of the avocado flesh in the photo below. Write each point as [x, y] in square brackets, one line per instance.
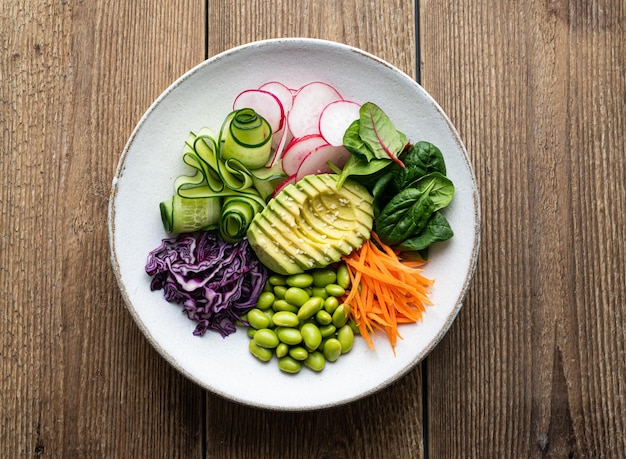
[311, 224]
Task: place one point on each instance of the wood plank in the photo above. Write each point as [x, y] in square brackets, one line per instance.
[535, 364]
[367, 428]
[78, 378]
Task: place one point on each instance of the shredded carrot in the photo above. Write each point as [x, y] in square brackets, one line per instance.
[386, 290]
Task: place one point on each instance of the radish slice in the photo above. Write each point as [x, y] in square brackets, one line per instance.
[282, 92]
[265, 104]
[308, 104]
[336, 118]
[279, 146]
[298, 149]
[317, 161]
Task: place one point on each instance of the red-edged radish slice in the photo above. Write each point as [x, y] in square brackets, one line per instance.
[298, 149]
[279, 145]
[308, 103]
[265, 104]
[336, 118]
[317, 161]
[289, 180]
[281, 91]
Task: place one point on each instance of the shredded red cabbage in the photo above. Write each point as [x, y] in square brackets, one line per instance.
[216, 282]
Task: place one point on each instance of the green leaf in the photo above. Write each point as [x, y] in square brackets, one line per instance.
[421, 159]
[438, 187]
[438, 229]
[406, 214]
[379, 134]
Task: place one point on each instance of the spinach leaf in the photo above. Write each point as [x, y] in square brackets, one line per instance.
[407, 214]
[437, 229]
[438, 187]
[421, 159]
[358, 166]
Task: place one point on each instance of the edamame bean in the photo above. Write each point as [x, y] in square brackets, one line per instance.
[285, 319]
[258, 319]
[343, 277]
[322, 317]
[282, 350]
[341, 315]
[309, 308]
[328, 330]
[290, 336]
[270, 314]
[279, 292]
[260, 352]
[277, 280]
[331, 304]
[266, 300]
[311, 336]
[296, 296]
[323, 277]
[335, 290]
[298, 353]
[289, 364]
[300, 280]
[266, 338]
[332, 349]
[345, 336]
[315, 361]
[319, 292]
[283, 305]
[251, 331]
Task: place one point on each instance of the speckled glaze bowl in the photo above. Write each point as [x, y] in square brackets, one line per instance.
[151, 161]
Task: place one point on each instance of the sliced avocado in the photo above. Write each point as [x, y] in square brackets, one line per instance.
[311, 224]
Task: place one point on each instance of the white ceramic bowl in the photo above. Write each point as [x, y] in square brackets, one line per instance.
[151, 161]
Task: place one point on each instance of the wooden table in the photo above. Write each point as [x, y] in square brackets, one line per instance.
[535, 364]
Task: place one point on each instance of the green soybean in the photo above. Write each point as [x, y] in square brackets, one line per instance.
[331, 349]
[309, 308]
[266, 338]
[311, 336]
[345, 336]
[323, 277]
[322, 317]
[279, 291]
[285, 319]
[260, 352]
[331, 304]
[300, 280]
[328, 330]
[289, 364]
[284, 305]
[258, 319]
[343, 276]
[290, 336]
[251, 331]
[277, 280]
[315, 361]
[335, 289]
[341, 315]
[266, 300]
[270, 314]
[282, 350]
[319, 292]
[296, 296]
[298, 353]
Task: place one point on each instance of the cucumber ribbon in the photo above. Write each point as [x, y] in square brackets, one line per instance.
[238, 191]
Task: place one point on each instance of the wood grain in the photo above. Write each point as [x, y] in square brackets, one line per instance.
[535, 365]
[78, 379]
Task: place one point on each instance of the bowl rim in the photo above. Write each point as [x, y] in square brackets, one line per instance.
[291, 41]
